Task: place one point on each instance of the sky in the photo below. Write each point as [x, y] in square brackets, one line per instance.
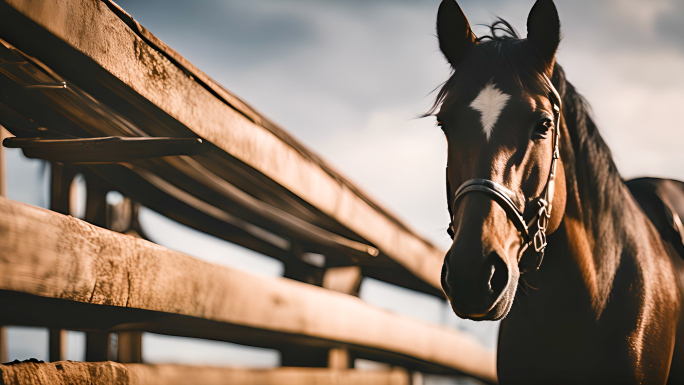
[350, 77]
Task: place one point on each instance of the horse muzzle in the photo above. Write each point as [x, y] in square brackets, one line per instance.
[483, 293]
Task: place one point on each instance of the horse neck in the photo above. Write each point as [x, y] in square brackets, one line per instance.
[599, 205]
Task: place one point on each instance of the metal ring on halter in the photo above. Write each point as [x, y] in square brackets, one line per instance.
[505, 197]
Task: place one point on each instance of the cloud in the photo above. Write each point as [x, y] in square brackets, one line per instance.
[349, 76]
[236, 33]
[670, 25]
[400, 160]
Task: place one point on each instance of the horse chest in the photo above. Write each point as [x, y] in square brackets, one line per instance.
[554, 335]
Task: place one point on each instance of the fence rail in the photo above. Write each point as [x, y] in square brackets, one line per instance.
[146, 287]
[85, 87]
[110, 373]
[120, 85]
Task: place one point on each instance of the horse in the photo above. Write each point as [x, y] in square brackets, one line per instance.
[583, 268]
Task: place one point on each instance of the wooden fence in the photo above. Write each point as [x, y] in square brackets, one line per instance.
[85, 87]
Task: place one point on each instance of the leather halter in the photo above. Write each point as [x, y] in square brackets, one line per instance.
[533, 234]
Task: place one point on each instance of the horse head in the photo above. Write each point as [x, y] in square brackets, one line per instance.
[506, 189]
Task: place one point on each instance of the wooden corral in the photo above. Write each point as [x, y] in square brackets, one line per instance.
[111, 373]
[151, 91]
[51, 258]
[86, 88]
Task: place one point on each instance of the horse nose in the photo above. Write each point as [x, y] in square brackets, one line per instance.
[474, 290]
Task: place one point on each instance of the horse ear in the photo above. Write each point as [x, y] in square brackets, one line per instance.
[543, 31]
[453, 31]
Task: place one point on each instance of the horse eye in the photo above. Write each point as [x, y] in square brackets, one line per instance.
[541, 129]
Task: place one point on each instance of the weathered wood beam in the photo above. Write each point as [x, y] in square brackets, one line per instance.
[4, 356]
[343, 279]
[57, 344]
[96, 201]
[339, 359]
[69, 112]
[3, 167]
[3, 193]
[160, 78]
[111, 149]
[129, 347]
[97, 346]
[66, 260]
[61, 178]
[111, 373]
[61, 200]
[231, 199]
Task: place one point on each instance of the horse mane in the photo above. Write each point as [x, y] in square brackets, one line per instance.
[598, 179]
[599, 183]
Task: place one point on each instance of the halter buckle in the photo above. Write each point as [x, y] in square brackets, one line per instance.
[539, 239]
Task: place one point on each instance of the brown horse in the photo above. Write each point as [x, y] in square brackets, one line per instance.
[605, 305]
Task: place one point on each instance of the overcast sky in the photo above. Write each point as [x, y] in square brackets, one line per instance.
[348, 78]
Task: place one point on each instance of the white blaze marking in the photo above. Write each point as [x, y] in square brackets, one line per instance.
[490, 102]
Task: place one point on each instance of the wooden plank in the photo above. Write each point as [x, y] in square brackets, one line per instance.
[47, 254]
[110, 373]
[64, 373]
[149, 72]
[70, 112]
[177, 375]
[111, 149]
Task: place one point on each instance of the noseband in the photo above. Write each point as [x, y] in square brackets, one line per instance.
[533, 231]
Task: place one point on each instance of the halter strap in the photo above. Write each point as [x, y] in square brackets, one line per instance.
[506, 198]
[503, 196]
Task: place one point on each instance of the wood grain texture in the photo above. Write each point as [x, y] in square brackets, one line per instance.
[52, 255]
[4, 356]
[57, 345]
[64, 373]
[92, 28]
[110, 373]
[187, 375]
[3, 167]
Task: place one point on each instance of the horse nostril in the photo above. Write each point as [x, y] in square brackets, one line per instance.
[498, 278]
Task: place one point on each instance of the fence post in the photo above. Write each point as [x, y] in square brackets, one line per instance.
[4, 357]
[57, 345]
[339, 359]
[130, 347]
[3, 167]
[97, 346]
[3, 192]
[61, 177]
[346, 280]
[96, 202]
